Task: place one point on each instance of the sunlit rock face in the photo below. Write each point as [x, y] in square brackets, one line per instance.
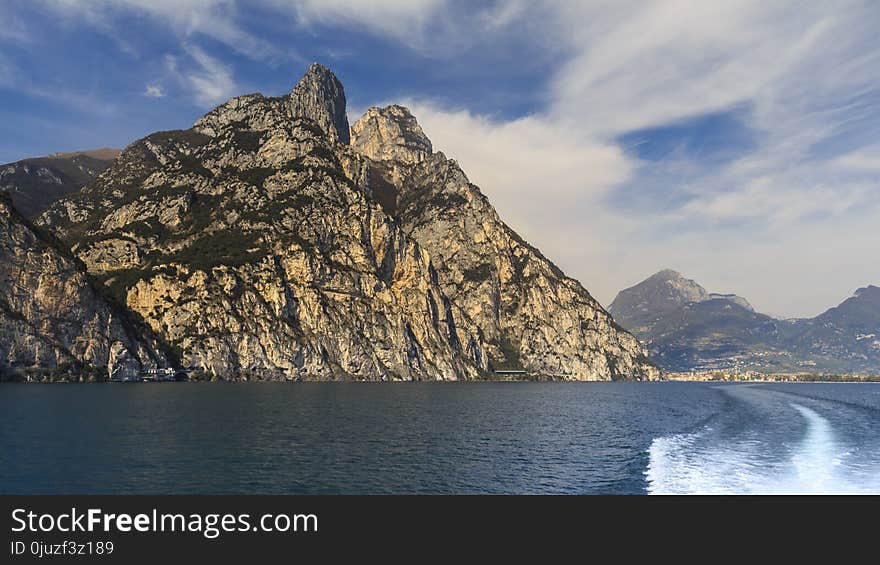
[531, 315]
[272, 241]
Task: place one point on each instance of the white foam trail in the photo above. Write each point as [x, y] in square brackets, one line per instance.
[679, 465]
[697, 464]
[816, 458]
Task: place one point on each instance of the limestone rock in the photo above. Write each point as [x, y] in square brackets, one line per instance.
[320, 97]
[532, 316]
[53, 323]
[260, 244]
[277, 265]
[390, 134]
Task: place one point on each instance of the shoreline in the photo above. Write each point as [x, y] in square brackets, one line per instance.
[865, 380]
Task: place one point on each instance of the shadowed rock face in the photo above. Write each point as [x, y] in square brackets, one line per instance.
[261, 244]
[34, 184]
[53, 322]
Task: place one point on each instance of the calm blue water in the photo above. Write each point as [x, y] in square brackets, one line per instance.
[439, 438]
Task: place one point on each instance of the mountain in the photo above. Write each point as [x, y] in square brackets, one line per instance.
[36, 183]
[54, 323]
[272, 241]
[641, 306]
[686, 328]
[848, 333]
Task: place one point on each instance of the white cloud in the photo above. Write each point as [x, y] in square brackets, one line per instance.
[210, 81]
[404, 20]
[751, 226]
[530, 166]
[215, 19]
[388, 16]
[867, 160]
[434, 28]
[154, 91]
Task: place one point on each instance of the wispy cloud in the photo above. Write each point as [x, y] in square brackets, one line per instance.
[404, 20]
[209, 81]
[529, 165]
[862, 160]
[154, 91]
[214, 19]
[14, 29]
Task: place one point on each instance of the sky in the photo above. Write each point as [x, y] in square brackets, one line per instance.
[737, 142]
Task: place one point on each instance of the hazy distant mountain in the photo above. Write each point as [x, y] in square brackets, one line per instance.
[643, 305]
[732, 298]
[35, 183]
[685, 328]
[849, 332]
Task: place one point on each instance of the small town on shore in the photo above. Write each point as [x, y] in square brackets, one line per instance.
[758, 377]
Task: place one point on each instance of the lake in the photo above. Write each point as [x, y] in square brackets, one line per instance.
[398, 438]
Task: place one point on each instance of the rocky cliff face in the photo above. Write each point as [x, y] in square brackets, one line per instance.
[320, 96]
[54, 324]
[261, 244]
[531, 315]
[34, 184]
[247, 246]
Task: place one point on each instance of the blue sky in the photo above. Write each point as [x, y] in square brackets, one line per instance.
[734, 141]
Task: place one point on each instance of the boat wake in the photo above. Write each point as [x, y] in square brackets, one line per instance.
[753, 461]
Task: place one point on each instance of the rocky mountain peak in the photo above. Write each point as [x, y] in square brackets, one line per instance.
[320, 96]
[663, 291]
[861, 310]
[390, 134]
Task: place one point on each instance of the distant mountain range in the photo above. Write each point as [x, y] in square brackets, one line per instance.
[687, 328]
[35, 183]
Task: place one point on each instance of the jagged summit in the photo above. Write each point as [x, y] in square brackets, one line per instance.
[723, 331]
[391, 133]
[320, 96]
[861, 311]
[662, 292]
